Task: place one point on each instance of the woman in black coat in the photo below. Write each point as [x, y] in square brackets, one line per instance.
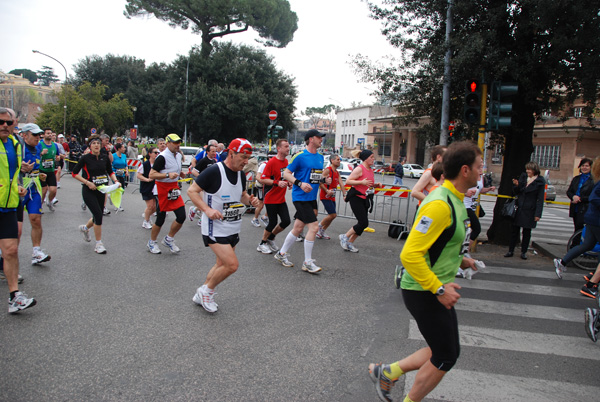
[530, 191]
[579, 192]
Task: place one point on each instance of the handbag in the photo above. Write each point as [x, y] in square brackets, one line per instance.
[509, 209]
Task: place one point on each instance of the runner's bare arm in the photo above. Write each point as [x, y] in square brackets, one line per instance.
[195, 194]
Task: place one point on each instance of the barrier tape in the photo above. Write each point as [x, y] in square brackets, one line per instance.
[508, 196]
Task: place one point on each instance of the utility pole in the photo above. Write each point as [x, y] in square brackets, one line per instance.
[447, 79]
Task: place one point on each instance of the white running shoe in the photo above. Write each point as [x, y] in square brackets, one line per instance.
[57, 185]
[171, 244]
[55, 201]
[264, 248]
[205, 299]
[310, 267]
[147, 225]
[283, 259]
[120, 209]
[344, 241]
[300, 238]
[351, 248]
[192, 213]
[38, 257]
[460, 273]
[153, 247]
[86, 233]
[50, 206]
[83, 206]
[106, 211]
[255, 222]
[20, 302]
[100, 249]
[3, 277]
[264, 221]
[272, 246]
[559, 268]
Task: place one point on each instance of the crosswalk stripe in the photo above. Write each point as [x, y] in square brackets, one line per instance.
[474, 386]
[532, 273]
[520, 310]
[520, 341]
[540, 290]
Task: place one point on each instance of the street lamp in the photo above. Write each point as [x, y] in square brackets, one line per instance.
[384, 139]
[343, 125]
[64, 90]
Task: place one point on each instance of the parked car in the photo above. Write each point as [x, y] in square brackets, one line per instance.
[380, 165]
[413, 170]
[550, 192]
[188, 155]
[345, 169]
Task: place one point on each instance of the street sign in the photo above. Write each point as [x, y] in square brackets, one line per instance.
[361, 140]
[133, 133]
[93, 130]
[273, 115]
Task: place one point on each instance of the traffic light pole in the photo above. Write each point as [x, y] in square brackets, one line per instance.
[482, 117]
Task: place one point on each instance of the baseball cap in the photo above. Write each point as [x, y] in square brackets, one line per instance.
[34, 128]
[61, 136]
[173, 138]
[313, 133]
[241, 145]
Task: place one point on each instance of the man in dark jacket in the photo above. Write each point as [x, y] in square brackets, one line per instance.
[398, 174]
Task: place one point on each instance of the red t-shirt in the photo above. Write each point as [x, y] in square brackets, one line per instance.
[274, 171]
[335, 180]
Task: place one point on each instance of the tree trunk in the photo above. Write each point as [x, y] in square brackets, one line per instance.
[517, 152]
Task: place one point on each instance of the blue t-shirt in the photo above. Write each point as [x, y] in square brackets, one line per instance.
[119, 163]
[308, 168]
[11, 156]
[32, 154]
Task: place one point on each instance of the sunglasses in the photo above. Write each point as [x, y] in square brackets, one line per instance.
[37, 135]
[8, 122]
[155, 152]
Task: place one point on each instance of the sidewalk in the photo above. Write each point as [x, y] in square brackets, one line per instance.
[493, 254]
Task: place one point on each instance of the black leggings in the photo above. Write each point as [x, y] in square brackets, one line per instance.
[160, 215]
[437, 324]
[514, 238]
[94, 200]
[277, 210]
[475, 224]
[360, 208]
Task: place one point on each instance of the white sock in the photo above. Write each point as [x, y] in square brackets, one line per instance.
[289, 241]
[308, 246]
[169, 238]
[98, 241]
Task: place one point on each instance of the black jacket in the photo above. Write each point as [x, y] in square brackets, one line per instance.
[399, 171]
[586, 190]
[530, 202]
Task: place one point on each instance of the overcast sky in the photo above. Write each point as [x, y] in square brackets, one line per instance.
[329, 33]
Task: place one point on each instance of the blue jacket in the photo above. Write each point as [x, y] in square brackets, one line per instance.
[592, 215]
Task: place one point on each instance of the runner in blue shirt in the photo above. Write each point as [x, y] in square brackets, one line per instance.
[306, 172]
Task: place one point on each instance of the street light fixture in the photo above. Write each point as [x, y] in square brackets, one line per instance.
[64, 90]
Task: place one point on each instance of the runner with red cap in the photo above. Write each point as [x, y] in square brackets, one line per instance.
[220, 193]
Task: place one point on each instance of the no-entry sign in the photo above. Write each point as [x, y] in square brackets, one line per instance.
[273, 115]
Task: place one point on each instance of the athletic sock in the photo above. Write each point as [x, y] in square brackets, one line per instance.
[407, 399]
[12, 294]
[308, 247]
[169, 238]
[37, 249]
[262, 242]
[395, 371]
[290, 239]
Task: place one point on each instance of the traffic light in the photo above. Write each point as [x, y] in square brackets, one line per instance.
[276, 132]
[270, 131]
[450, 132]
[472, 107]
[500, 112]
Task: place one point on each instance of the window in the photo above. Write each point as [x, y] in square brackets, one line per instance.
[353, 122]
[578, 112]
[497, 154]
[547, 156]
[360, 122]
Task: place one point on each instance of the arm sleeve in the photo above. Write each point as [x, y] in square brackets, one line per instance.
[78, 166]
[420, 240]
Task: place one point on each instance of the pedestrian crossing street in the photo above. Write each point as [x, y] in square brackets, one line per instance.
[468, 383]
[555, 227]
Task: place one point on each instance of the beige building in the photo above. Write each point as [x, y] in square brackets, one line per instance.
[25, 98]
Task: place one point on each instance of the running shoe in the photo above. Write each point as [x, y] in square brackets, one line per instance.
[310, 267]
[3, 277]
[272, 246]
[592, 323]
[590, 291]
[283, 259]
[147, 225]
[383, 385]
[50, 206]
[324, 235]
[120, 209]
[38, 257]
[86, 233]
[460, 273]
[588, 277]
[300, 238]
[57, 185]
[55, 201]
[344, 241]
[100, 249]
[205, 299]
[351, 248]
[192, 213]
[106, 211]
[559, 268]
[83, 206]
[255, 222]
[264, 220]
[20, 302]
[264, 248]
[171, 244]
[153, 247]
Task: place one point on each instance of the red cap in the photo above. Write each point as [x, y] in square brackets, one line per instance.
[241, 145]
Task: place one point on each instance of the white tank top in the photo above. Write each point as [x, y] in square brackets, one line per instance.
[227, 201]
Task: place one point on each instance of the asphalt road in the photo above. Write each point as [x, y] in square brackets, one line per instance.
[122, 326]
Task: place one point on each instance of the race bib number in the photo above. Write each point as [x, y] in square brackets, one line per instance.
[120, 172]
[315, 176]
[370, 190]
[467, 241]
[173, 194]
[48, 164]
[100, 180]
[232, 211]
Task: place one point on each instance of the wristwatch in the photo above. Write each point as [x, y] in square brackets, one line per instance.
[440, 291]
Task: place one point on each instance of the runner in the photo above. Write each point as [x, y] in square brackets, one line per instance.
[306, 172]
[431, 256]
[166, 171]
[49, 156]
[93, 171]
[119, 165]
[275, 188]
[147, 187]
[327, 195]
[423, 186]
[32, 201]
[219, 192]
[11, 154]
[259, 192]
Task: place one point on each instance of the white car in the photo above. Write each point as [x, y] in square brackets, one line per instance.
[188, 155]
[344, 170]
[413, 170]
